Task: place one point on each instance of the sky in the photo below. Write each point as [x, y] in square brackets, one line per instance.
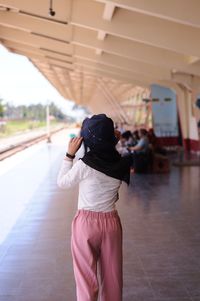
[22, 83]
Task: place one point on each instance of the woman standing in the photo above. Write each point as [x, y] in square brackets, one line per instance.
[96, 227]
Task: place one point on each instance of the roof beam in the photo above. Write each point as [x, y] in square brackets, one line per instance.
[31, 24]
[29, 49]
[184, 12]
[110, 102]
[157, 54]
[112, 99]
[27, 38]
[49, 60]
[98, 51]
[71, 87]
[99, 100]
[107, 15]
[101, 35]
[138, 27]
[104, 73]
[109, 70]
[113, 70]
[62, 8]
[148, 70]
[113, 62]
[108, 11]
[129, 49]
[55, 81]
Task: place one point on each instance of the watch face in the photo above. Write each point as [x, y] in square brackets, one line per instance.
[72, 135]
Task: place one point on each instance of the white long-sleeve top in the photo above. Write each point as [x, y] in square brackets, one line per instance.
[97, 191]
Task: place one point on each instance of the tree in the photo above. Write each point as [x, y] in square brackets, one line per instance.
[31, 112]
[1, 108]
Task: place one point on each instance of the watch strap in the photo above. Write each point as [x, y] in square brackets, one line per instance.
[70, 156]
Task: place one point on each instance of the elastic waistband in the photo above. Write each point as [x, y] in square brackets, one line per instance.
[96, 214]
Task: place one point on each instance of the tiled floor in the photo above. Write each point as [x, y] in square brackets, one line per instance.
[161, 221]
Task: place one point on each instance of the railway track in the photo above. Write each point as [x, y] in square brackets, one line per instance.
[17, 147]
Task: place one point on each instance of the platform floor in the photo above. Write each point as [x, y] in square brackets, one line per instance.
[160, 216]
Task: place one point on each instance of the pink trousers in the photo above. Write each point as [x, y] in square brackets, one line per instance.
[97, 237]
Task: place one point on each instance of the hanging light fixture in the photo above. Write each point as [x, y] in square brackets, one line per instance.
[4, 8]
[146, 100]
[51, 11]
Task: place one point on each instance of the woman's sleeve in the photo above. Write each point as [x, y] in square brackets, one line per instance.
[69, 175]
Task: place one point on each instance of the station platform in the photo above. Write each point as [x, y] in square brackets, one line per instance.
[160, 218]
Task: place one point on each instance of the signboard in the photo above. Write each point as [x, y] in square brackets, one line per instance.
[164, 111]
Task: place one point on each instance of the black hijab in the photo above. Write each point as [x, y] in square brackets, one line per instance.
[98, 136]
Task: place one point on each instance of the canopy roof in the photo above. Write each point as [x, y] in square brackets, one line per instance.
[109, 48]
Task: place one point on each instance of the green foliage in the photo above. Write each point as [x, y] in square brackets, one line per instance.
[22, 118]
[17, 126]
[1, 108]
[33, 112]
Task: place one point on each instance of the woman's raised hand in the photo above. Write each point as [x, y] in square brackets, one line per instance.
[74, 145]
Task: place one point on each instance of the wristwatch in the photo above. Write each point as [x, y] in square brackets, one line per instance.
[70, 156]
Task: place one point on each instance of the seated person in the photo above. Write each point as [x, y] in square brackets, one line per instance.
[127, 138]
[143, 144]
[152, 138]
[155, 144]
[136, 137]
[125, 141]
[140, 153]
